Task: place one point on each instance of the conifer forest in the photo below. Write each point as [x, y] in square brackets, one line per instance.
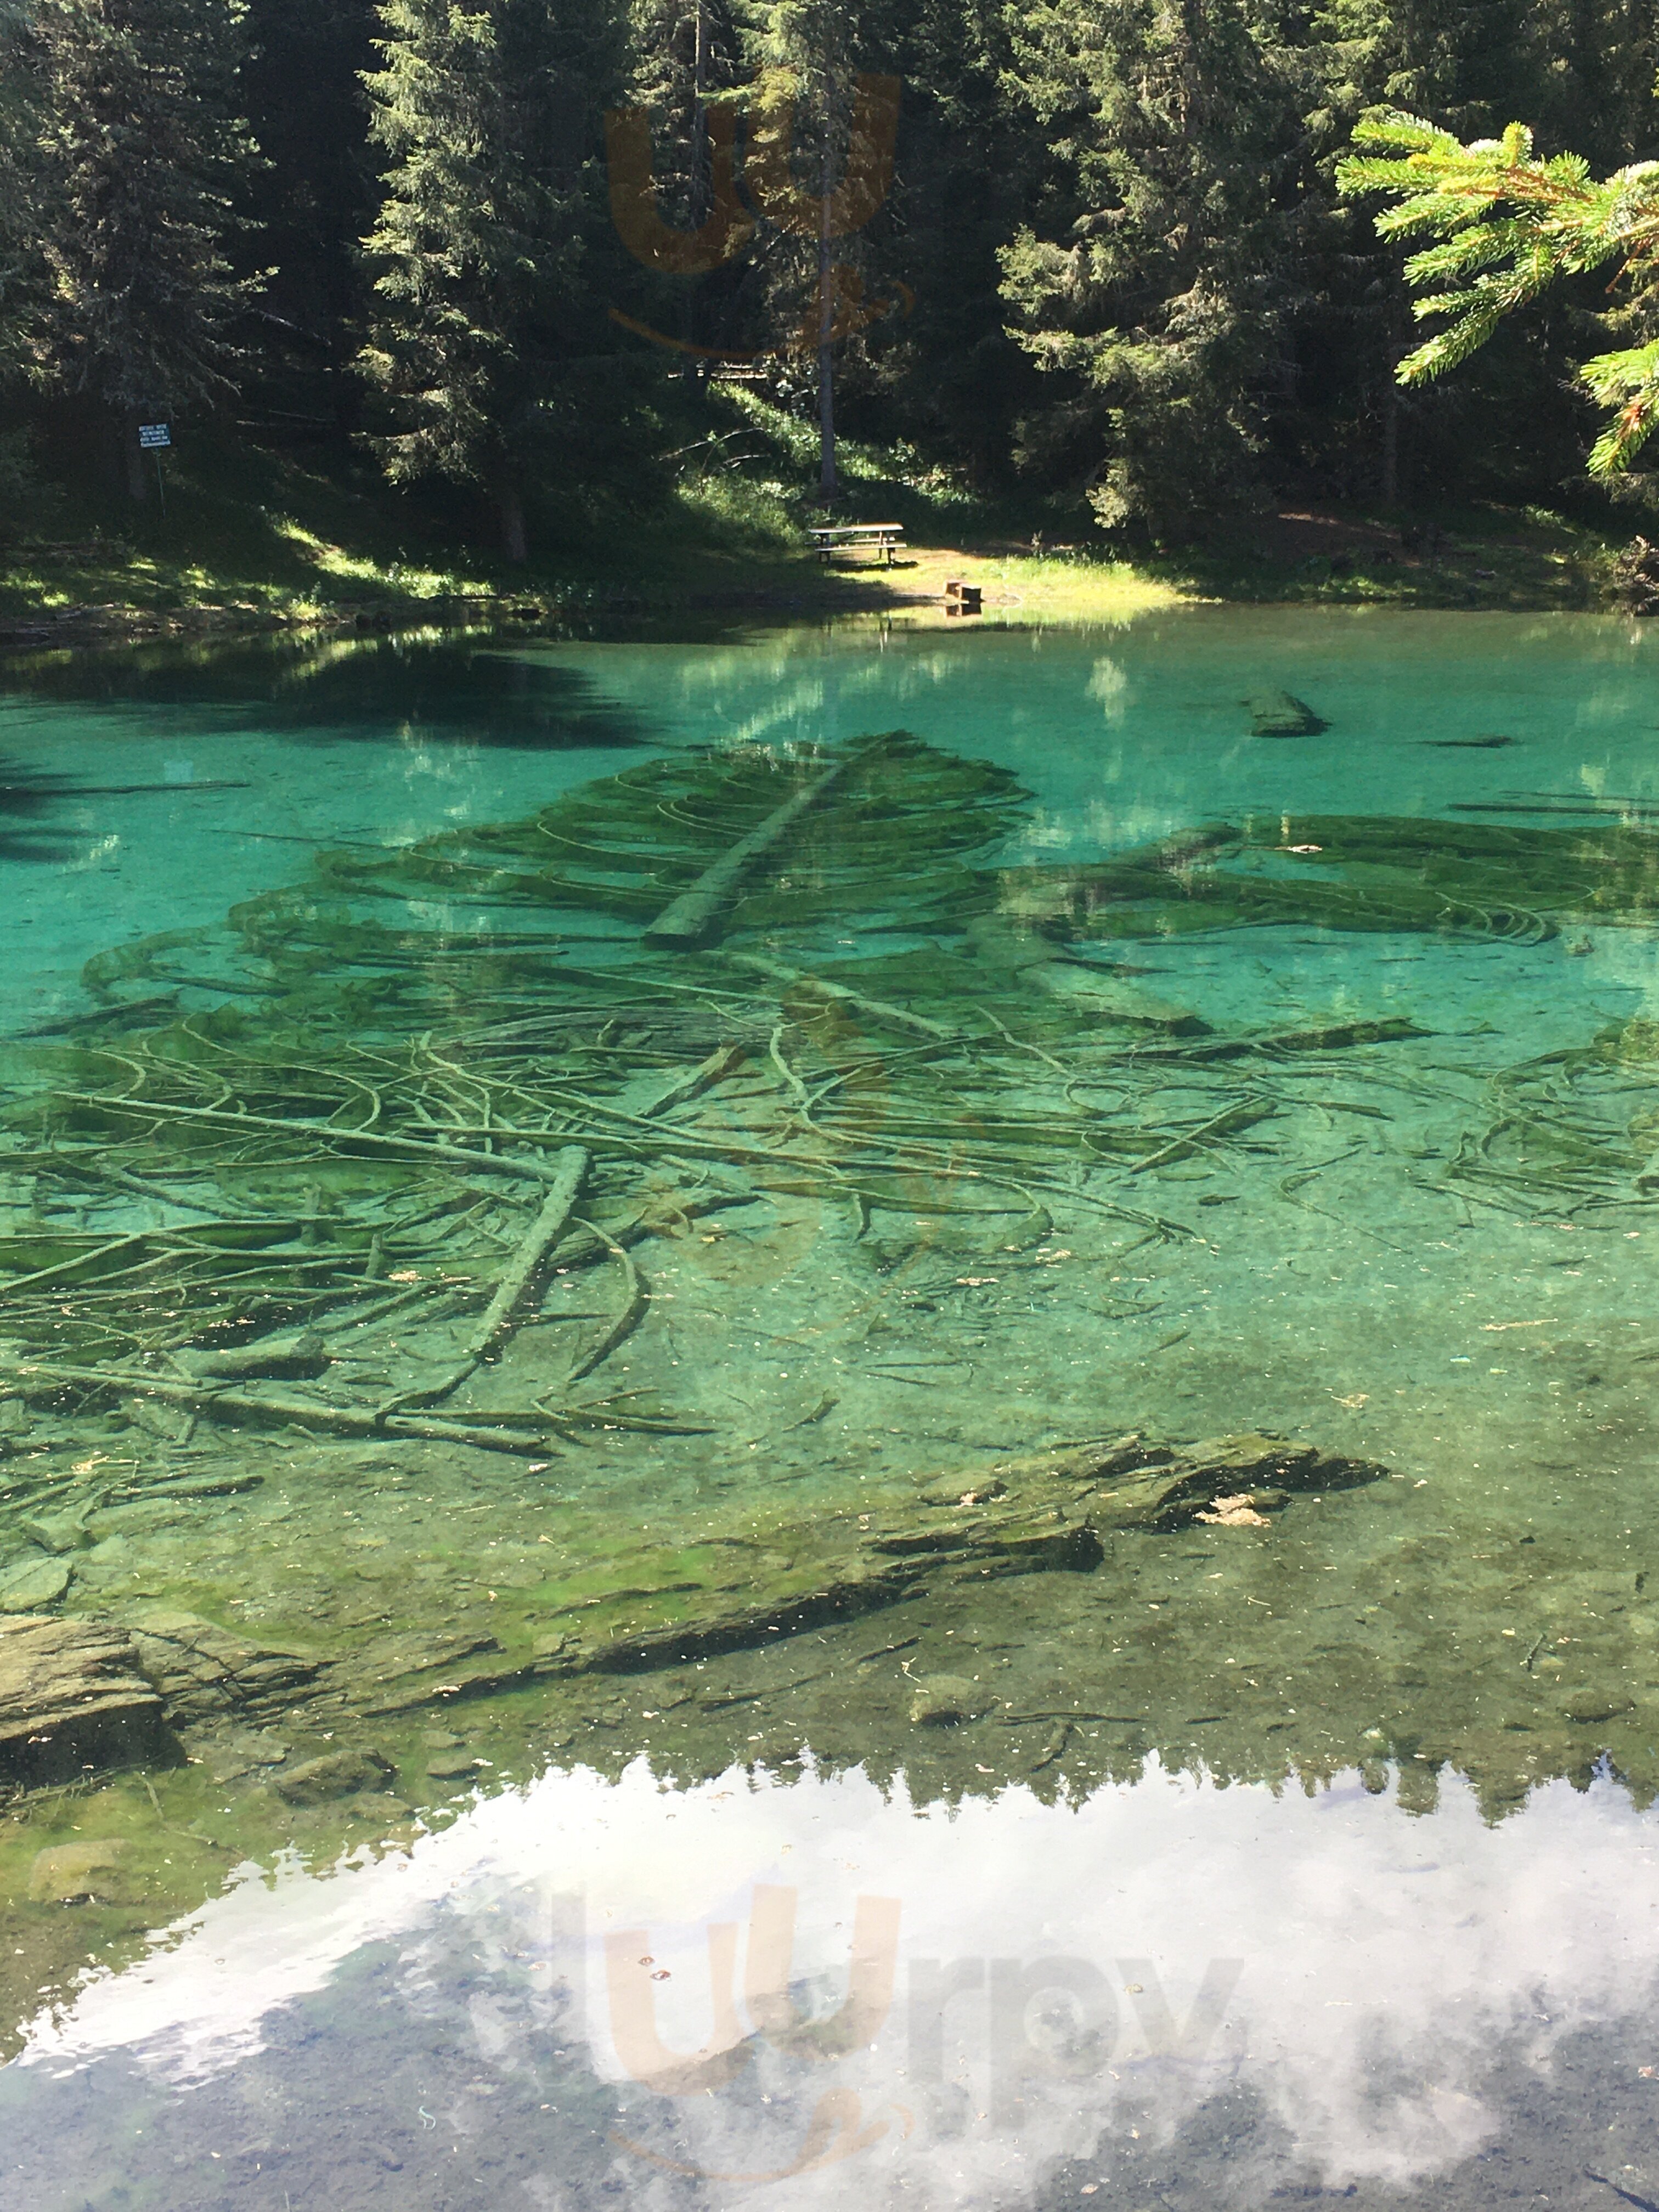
[1125, 257]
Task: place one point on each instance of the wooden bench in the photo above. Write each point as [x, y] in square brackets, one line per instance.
[886, 538]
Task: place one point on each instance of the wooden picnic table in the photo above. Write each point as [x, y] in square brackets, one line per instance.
[886, 537]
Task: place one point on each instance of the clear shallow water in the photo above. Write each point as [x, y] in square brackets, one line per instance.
[1345, 1145]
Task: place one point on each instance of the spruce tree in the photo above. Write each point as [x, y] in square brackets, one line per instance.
[1470, 65]
[1156, 285]
[311, 200]
[947, 375]
[490, 119]
[1502, 225]
[673, 161]
[685, 57]
[823, 127]
[140, 154]
[21, 268]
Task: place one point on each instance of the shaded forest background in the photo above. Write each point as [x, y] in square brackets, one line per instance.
[1111, 283]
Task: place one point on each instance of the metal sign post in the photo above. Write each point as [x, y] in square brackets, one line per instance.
[156, 438]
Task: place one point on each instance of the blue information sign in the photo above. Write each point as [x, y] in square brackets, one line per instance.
[152, 436]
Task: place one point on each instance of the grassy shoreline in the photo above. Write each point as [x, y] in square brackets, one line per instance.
[252, 540]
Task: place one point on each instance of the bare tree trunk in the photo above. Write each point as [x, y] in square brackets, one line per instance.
[1396, 346]
[700, 111]
[829, 487]
[137, 476]
[1390, 483]
[510, 502]
[697, 370]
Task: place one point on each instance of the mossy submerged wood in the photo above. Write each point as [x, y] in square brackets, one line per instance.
[310, 1126]
[339, 1130]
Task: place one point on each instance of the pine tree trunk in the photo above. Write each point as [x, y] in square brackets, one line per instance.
[1390, 478]
[829, 488]
[510, 504]
[137, 475]
[1389, 485]
[696, 371]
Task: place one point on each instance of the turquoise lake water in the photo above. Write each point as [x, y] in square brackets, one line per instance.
[832, 1409]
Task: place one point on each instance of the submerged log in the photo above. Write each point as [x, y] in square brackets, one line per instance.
[1324, 1036]
[291, 1359]
[573, 1164]
[1282, 715]
[1033, 957]
[268, 1408]
[880, 1011]
[1052, 1512]
[532, 1254]
[692, 918]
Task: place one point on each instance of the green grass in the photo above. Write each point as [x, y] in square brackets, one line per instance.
[242, 530]
[1523, 558]
[255, 535]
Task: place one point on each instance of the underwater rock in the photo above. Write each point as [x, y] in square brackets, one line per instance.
[948, 1701]
[55, 1532]
[203, 1671]
[1241, 1511]
[167, 1423]
[336, 1774]
[37, 1580]
[1588, 1706]
[400, 1673]
[1131, 1484]
[234, 1753]
[1636, 1039]
[71, 1697]
[960, 1490]
[1282, 715]
[453, 1765]
[78, 1874]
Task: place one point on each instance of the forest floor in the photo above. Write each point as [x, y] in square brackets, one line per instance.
[251, 539]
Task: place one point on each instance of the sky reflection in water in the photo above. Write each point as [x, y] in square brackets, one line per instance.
[1052, 1996]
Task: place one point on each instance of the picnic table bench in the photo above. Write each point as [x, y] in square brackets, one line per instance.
[884, 536]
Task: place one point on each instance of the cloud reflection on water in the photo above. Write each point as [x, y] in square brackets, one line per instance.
[1366, 1972]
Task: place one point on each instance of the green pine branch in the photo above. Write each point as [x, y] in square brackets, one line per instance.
[1505, 226]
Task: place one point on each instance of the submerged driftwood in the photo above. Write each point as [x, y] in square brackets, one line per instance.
[1052, 1512]
[79, 1694]
[880, 1011]
[694, 916]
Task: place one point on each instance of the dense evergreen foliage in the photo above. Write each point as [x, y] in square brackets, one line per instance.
[1506, 226]
[138, 151]
[1097, 250]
